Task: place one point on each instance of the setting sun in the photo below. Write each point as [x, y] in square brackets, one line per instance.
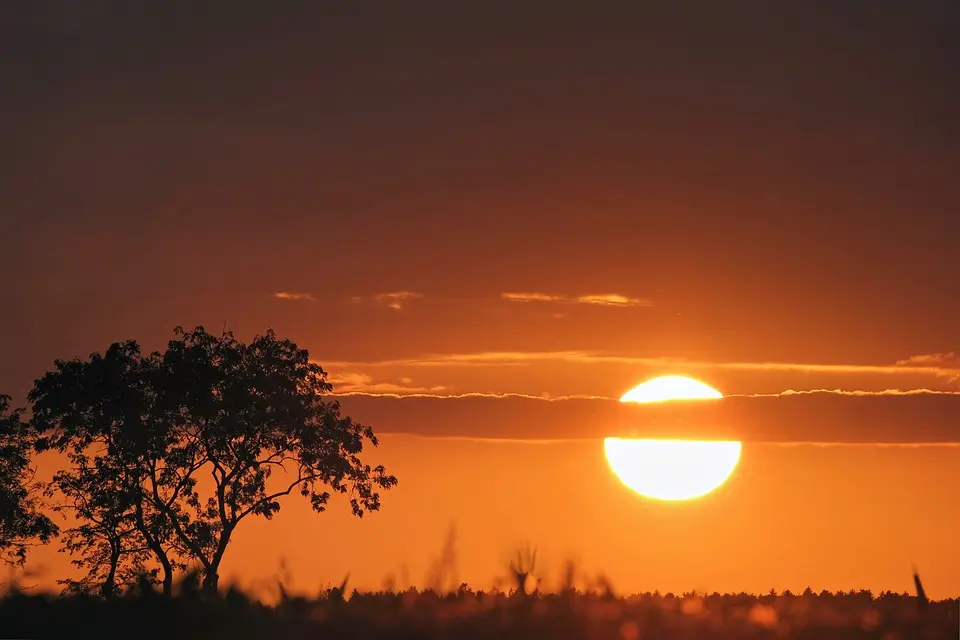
[671, 469]
[670, 388]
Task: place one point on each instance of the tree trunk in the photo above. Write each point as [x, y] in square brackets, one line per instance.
[211, 580]
[109, 586]
[157, 548]
[167, 576]
[211, 573]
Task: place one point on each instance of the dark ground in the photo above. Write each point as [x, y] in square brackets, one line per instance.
[468, 614]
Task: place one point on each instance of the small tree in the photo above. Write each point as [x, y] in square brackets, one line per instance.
[20, 517]
[103, 413]
[243, 411]
[146, 429]
[107, 543]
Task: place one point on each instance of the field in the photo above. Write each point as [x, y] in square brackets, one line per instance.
[468, 614]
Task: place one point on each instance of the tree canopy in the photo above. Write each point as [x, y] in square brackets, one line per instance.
[20, 518]
[170, 451]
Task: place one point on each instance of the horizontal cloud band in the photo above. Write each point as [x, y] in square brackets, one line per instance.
[829, 418]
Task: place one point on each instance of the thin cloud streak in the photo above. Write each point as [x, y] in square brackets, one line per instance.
[614, 300]
[364, 384]
[395, 300]
[879, 445]
[601, 299]
[505, 358]
[504, 440]
[797, 418]
[355, 388]
[846, 392]
[470, 394]
[290, 295]
[554, 441]
[930, 360]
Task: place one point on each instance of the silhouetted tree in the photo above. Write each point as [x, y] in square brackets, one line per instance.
[20, 517]
[105, 415]
[107, 541]
[214, 407]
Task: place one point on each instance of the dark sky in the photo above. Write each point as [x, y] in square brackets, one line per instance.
[780, 179]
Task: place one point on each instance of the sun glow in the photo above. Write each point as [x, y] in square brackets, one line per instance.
[670, 388]
[671, 469]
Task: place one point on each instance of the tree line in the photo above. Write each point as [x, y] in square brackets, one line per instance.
[168, 452]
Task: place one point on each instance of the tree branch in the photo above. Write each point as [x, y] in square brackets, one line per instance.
[300, 479]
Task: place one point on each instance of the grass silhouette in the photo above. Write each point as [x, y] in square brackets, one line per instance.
[595, 613]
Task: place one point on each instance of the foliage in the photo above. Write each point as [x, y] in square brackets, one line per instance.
[141, 432]
[245, 411]
[107, 542]
[20, 519]
[103, 413]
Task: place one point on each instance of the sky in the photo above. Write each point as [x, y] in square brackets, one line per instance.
[515, 214]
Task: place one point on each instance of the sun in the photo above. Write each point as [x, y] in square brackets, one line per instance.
[671, 469]
[670, 388]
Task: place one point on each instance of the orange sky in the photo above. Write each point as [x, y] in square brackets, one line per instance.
[473, 200]
[833, 517]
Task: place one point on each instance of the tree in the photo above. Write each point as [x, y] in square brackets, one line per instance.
[103, 414]
[241, 413]
[108, 542]
[213, 408]
[20, 517]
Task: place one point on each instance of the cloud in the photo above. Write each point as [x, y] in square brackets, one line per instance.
[796, 418]
[931, 360]
[602, 299]
[613, 300]
[606, 374]
[435, 393]
[395, 300]
[347, 384]
[543, 441]
[440, 392]
[856, 392]
[288, 295]
[892, 445]
[532, 297]
[508, 358]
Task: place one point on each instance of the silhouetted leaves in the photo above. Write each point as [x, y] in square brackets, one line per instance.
[20, 518]
[104, 414]
[142, 430]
